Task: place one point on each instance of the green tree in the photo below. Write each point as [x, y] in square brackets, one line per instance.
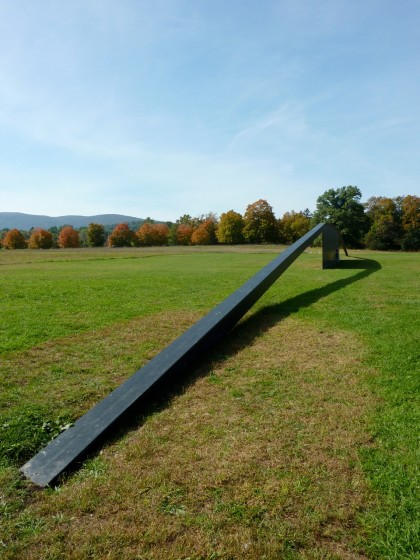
[186, 219]
[260, 223]
[230, 228]
[342, 207]
[83, 236]
[54, 230]
[96, 235]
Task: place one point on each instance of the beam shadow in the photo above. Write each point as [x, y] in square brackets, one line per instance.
[241, 336]
[255, 324]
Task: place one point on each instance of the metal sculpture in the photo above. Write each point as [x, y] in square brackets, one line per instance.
[71, 446]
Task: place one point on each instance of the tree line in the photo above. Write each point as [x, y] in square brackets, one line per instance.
[380, 223]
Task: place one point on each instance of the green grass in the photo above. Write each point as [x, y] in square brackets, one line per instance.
[296, 438]
[78, 295]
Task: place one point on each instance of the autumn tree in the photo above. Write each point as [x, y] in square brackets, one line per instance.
[96, 235]
[161, 234]
[14, 239]
[293, 225]
[410, 220]
[385, 230]
[342, 208]
[122, 236]
[182, 230]
[68, 238]
[41, 239]
[205, 233]
[230, 228]
[152, 234]
[260, 223]
[145, 234]
[183, 234]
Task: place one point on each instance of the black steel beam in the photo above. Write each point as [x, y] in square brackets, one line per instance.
[71, 446]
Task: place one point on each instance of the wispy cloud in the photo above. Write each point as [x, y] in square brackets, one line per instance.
[288, 121]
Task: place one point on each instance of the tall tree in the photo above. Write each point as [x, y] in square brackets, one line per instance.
[96, 235]
[260, 223]
[68, 238]
[342, 207]
[230, 228]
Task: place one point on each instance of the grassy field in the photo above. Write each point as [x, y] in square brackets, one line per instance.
[296, 437]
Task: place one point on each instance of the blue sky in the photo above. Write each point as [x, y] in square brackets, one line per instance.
[164, 107]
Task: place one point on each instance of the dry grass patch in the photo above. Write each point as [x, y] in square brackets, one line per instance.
[75, 371]
[256, 458]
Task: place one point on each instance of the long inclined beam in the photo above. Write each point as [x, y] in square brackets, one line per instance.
[72, 445]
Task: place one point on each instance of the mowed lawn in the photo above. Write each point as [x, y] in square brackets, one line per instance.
[295, 437]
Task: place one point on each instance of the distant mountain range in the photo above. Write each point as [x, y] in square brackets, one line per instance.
[18, 220]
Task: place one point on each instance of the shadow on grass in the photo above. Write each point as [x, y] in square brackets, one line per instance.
[242, 335]
[292, 305]
[255, 324]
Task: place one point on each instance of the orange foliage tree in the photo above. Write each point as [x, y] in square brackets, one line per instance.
[68, 238]
[122, 236]
[14, 240]
[205, 234]
[40, 239]
[153, 234]
[183, 234]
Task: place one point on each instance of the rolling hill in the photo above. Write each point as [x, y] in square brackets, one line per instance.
[27, 221]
